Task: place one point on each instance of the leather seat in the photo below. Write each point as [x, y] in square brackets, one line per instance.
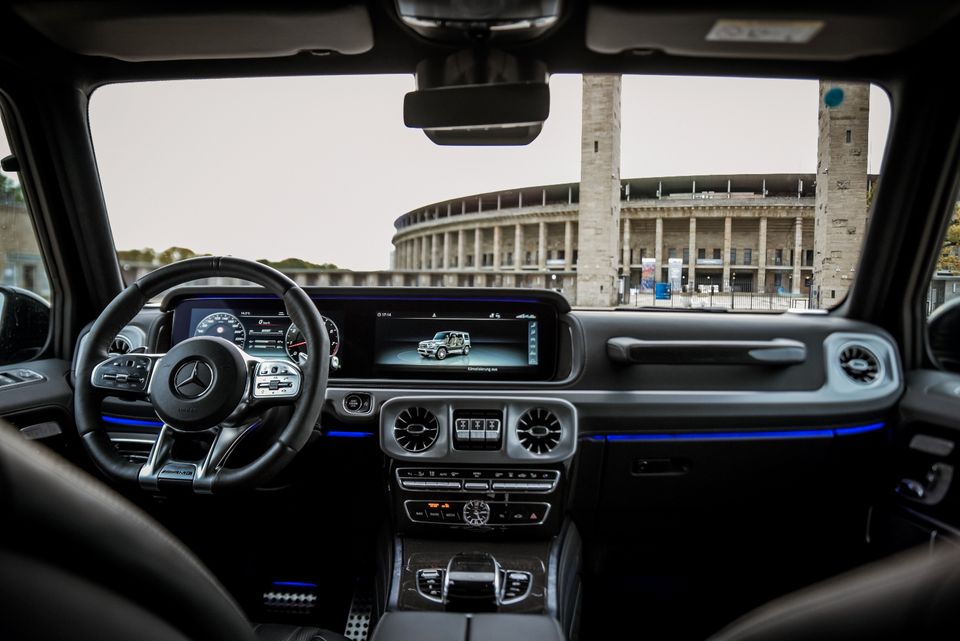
[78, 561]
[913, 595]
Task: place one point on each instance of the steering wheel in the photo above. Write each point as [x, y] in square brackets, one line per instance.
[204, 388]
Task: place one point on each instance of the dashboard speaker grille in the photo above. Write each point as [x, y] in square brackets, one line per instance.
[416, 429]
[538, 430]
[860, 364]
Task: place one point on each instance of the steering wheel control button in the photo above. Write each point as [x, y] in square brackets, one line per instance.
[126, 373]
[357, 403]
[276, 379]
[477, 429]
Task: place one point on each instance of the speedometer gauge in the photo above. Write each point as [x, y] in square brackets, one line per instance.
[297, 344]
[226, 326]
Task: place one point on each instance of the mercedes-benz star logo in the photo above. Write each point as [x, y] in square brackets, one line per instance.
[193, 379]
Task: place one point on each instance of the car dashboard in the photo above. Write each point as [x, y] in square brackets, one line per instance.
[504, 422]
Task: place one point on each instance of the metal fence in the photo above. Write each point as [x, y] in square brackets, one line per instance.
[729, 300]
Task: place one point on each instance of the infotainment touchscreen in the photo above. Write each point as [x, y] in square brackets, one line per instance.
[469, 342]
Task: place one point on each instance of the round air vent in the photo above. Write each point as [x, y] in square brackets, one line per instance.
[538, 430]
[120, 345]
[416, 429]
[860, 364]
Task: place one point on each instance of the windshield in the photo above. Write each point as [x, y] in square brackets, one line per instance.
[641, 191]
[439, 336]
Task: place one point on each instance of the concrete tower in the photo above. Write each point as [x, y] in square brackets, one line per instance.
[598, 239]
[841, 204]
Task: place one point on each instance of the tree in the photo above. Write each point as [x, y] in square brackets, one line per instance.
[296, 263]
[950, 254]
[10, 190]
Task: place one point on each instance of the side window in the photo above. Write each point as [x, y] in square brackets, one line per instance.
[24, 285]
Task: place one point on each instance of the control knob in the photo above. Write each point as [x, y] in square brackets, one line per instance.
[476, 513]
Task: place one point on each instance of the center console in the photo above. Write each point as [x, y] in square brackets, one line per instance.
[477, 487]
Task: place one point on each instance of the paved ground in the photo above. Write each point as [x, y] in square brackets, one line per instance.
[480, 356]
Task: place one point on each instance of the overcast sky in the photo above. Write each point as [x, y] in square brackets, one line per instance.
[319, 168]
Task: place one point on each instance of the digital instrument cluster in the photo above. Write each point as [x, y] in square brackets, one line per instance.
[386, 334]
[263, 334]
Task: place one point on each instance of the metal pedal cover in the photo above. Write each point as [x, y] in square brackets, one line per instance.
[290, 597]
[361, 612]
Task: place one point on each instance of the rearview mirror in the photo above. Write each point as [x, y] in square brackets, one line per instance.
[494, 114]
[479, 97]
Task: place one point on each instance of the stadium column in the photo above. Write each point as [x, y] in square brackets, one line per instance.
[658, 249]
[497, 241]
[542, 247]
[423, 252]
[692, 256]
[461, 249]
[762, 256]
[599, 223]
[727, 238]
[625, 261]
[446, 250]
[797, 253]
[477, 247]
[518, 246]
[568, 245]
[434, 252]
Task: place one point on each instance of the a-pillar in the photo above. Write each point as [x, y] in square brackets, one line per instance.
[692, 256]
[797, 253]
[599, 212]
[497, 240]
[462, 249]
[727, 237]
[568, 245]
[542, 247]
[762, 256]
[518, 246]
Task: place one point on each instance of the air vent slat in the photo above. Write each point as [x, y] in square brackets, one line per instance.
[120, 345]
[416, 429]
[539, 431]
[860, 364]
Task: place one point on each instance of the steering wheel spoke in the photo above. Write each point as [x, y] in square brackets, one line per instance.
[127, 375]
[225, 442]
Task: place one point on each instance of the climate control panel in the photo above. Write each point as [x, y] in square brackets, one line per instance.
[426, 479]
[477, 513]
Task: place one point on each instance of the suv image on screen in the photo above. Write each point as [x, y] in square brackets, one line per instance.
[445, 343]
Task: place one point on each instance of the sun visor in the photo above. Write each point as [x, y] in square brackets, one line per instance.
[772, 35]
[173, 32]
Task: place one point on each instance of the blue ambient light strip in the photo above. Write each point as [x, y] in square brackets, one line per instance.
[129, 422]
[829, 432]
[346, 434]
[294, 584]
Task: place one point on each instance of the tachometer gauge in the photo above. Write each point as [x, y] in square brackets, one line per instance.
[226, 326]
[297, 344]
